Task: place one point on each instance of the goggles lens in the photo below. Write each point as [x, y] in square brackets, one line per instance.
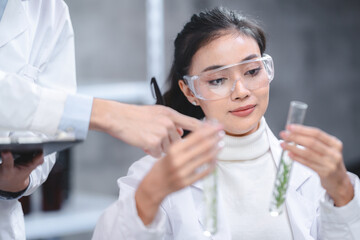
[220, 83]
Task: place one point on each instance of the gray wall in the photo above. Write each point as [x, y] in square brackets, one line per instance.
[314, 45]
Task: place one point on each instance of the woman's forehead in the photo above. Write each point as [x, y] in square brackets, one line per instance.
[225, 50]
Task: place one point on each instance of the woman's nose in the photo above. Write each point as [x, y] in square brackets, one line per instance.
[240, 91]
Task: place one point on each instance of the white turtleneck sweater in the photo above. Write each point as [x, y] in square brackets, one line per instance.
[246, 174]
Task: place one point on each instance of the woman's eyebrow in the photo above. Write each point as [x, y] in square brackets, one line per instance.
[252, 56]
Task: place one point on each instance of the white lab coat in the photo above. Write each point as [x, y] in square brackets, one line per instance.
[36, 56]
[180, 214]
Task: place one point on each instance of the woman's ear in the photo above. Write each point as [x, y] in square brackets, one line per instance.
[187, 92]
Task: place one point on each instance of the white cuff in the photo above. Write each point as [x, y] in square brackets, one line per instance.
[76, 116]
[135, 225]
[345, 214]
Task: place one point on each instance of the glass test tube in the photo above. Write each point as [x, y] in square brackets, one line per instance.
[211, 202]
[296, 115]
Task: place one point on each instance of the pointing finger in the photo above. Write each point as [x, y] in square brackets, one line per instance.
[185, 122]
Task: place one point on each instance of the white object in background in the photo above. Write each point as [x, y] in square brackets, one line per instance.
[127, 92]
[155, 41]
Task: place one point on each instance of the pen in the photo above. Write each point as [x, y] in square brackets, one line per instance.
[156, 91]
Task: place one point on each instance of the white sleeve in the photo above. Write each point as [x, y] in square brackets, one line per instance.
[341, 222]
[39, 175]
[28, 106]
[121, 220]
[34, 98]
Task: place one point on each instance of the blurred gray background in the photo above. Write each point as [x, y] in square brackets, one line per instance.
[314, 44]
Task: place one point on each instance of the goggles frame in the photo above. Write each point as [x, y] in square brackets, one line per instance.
[266, 59]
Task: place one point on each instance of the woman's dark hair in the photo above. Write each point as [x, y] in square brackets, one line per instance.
[202, 29]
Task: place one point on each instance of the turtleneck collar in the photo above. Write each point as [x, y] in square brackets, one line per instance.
[246, 148]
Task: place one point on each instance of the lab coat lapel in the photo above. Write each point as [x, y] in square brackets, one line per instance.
[300, 210]
[301, 213]
[13, 22]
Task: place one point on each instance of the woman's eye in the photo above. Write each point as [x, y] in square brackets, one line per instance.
[217, 82]
[253, 72]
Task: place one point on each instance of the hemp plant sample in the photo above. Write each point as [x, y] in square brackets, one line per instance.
[296, 115]
[211, 203]
[281, 184]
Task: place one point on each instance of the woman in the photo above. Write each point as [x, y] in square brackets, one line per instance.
[220, 71]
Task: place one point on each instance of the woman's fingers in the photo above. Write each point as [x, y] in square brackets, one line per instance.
[187, 156]
[196, 144]
[320, 151]
[318, 146]
[174, 136]
[202, 149]
[199, 175]
[304, 153]
[200, 163]
[207, 131]
[305, 141]
[165, 145]
[315, 133]
[315, 166]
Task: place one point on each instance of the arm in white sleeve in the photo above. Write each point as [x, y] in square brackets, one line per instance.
[121, 219]
[28, 106]
[341, 222]
[38, 95]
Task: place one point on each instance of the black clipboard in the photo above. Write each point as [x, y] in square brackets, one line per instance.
[25, 152]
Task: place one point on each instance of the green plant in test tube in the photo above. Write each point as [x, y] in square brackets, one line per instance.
[296, 115]
[211, 202]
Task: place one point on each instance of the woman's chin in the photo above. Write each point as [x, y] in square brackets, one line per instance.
[238, 133]
[241, 132]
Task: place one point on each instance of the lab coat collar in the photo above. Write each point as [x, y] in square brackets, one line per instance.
[13, 22]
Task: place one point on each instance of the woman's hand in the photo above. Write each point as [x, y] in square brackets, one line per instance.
[178, 169]
[323, 154]
[15, 177]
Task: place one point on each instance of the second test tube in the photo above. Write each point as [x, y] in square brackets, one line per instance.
[296, 115]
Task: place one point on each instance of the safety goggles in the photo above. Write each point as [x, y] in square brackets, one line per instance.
[220, 83]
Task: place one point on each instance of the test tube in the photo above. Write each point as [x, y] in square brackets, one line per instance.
[211, 202]
[296, 115]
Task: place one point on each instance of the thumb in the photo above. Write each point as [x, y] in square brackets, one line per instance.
[7, 160]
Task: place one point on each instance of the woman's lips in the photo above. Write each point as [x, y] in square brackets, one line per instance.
[243, 111]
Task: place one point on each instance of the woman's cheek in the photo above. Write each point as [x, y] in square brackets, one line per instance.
[213, 110]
